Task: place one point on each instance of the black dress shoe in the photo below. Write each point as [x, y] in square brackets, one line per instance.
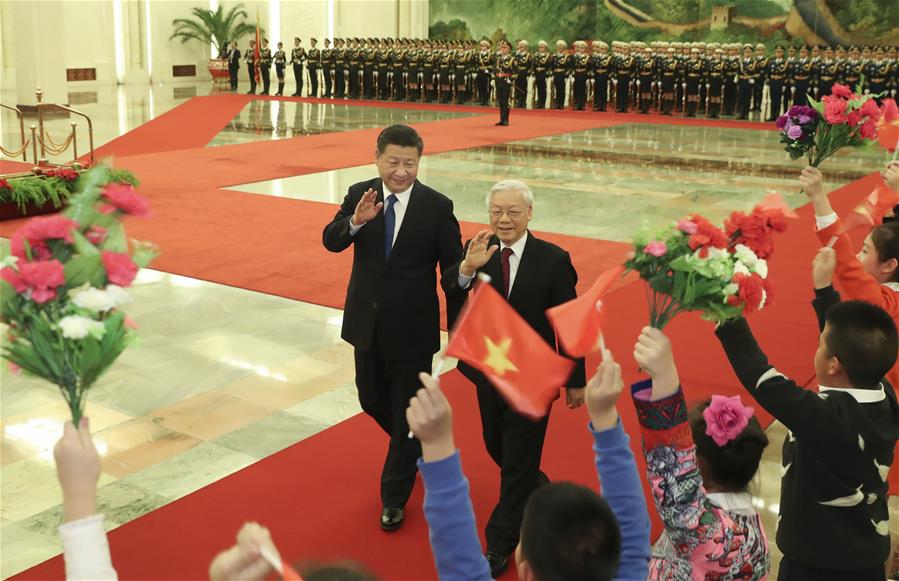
[391, 519]
[498, 563]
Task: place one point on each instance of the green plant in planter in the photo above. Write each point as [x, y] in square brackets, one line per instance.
[53, 186]
[214, 27]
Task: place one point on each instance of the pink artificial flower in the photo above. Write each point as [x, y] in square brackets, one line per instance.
[15, 369]
[656, 248]
[122, 197]
[794, 132]
[889, 110]
[868, 129]
[687, 226]
[120, 269]
[839, 90]
[130, 324]
[835, 110]
[96, 235]
[726, 418]
[42, 278]
[870, 109]
[37, 231]
[12, 277]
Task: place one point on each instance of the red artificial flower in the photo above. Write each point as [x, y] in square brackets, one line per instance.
[835, 110]
[96, 235]
[120, 269]
[750, 294]
[854, 118]
[839, 90]
[122, 197]
[37, 231]
[4, 185]
[868, 129]
[769, 292]
[9, 275]
[42, 278]
[755, 230]
[707, 236]
[65, 173]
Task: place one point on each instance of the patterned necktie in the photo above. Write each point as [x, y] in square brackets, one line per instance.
[507, 271]
[389, 224]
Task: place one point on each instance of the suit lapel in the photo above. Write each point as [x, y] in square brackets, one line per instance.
[377, 223]
[528, 265]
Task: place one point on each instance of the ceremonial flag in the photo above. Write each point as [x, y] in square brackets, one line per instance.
[494, 339]
[872, 210]
[257, 51]
[578, 322]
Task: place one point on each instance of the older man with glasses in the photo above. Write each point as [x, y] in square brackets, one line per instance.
[533, 275]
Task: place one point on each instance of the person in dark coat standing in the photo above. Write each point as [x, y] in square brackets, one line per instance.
[400, 229]
[233, 64]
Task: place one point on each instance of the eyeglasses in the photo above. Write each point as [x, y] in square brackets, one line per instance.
[512, 213]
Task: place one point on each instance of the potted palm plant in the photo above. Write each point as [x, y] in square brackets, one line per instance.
[217, 29]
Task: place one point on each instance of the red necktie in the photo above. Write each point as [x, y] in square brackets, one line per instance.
[507, 272]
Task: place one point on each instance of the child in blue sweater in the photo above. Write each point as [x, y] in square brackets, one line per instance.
[568, 532]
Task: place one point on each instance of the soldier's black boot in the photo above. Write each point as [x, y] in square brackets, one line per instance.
[280, 92]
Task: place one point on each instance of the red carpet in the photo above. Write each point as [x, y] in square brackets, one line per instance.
[319, 496]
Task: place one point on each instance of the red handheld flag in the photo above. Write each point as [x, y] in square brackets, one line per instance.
[494, 339]
[578, 322]
[872, 210]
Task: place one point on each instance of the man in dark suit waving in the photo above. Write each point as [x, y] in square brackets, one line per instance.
[399, 229]
[533, 275]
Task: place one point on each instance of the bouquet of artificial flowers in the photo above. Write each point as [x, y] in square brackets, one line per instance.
[62, 286]
[694, 265]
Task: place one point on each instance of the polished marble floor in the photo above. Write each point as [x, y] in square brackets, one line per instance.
[219, 381]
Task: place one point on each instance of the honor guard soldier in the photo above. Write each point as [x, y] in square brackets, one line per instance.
[694, 75]
[280, 61]
[705, 57]
[265, 66]
[505, 79]
[840, 57]
[233, 64]
[352, 69]
[827, 72]
[601, 65]
[670, 76]
[647, 72]
[460, 67]
[328, 61]
[683, 53]
[715, 72]
[486, 61]
[413, 71]
[852, 69]
[580, 66]
[542, 71]
[383, 69]
[803, 69]
[524, 63]
[368, 70]
[747, 80]
[250, 58]
[776, 75]
[731, 76]
[471, 70]
[428, 70]
[790, 80]
[761, 66]
[444, 72]
[313, 64]
[561, 69]
[399, 71]
[623, 70]
[297, 57]
[878, 73]
[339, 69]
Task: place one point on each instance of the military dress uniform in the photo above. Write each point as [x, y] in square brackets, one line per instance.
[428, 69]
[297, 57]
[524, 62]
[250, 58]
[580, 67]
[460, 68]
[485, 61]
[715, 72]
[623, 70]
[828, 71]
[280, 61]
[399, 73]
[670, 76]
[542, 68]
[878, 74]
[265, 68]
[851, 71]
[646, 70]
[413, 73]
[602, 66]
[353, 61]
[339, 72]
[803, 70]
[731, 77]
[444, 71]
[694, 76]
[776, 74]
[747, 81]
[233, 66]
[383, 67]
[313, 64]
[368, 73]
[761, 67]
[505, 79]
[328, 61]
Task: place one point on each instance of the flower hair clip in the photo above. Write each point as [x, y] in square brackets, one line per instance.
[726, 418]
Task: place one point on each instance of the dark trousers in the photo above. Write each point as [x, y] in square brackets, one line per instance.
[792, 570]
[368, 82]
[326, 89]
[800, 96]
[298, 78]
[824, 88]
[503, 92]
[521, 90]
[757, 89]
[483, 82]
[266, 78]
[600, 92]
[516, 445]
[385, 388]
[776, 90]
[621, 96]
[232, 71]
[399, 88]
[580, 91]
[383, 84]
[339, 83]
[559, 89]
[252, 73]
[540, 83]
[730, 97]
[744, 98]
[313, 81]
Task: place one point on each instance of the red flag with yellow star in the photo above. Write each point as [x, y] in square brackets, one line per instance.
[493, 338]
[578, 322]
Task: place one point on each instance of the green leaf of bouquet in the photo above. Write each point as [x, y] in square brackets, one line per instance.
[8, 299]
[816, 105]
[115, 238]
[43, 339]
[82, 269]
[144, 253]
[81, 204]
[22, 354]
[83, 246]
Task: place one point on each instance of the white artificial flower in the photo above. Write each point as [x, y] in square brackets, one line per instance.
[92, 299]
[761, 268]
[118, 295]
[745, 255]
[740, 268]
[764, 299]
[715, 253]
[730, 290]
[78, 327]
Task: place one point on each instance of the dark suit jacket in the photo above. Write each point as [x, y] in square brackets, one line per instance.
[234, 58]
[545, 278]
[399, 293]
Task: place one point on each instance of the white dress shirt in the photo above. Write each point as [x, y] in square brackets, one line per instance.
[514, 261]
[399, 210]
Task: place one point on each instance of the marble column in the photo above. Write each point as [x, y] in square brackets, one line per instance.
[39, 52]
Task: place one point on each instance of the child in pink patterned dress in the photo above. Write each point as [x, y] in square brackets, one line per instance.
[699, 465]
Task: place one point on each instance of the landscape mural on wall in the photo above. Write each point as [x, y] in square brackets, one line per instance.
[770, 21]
